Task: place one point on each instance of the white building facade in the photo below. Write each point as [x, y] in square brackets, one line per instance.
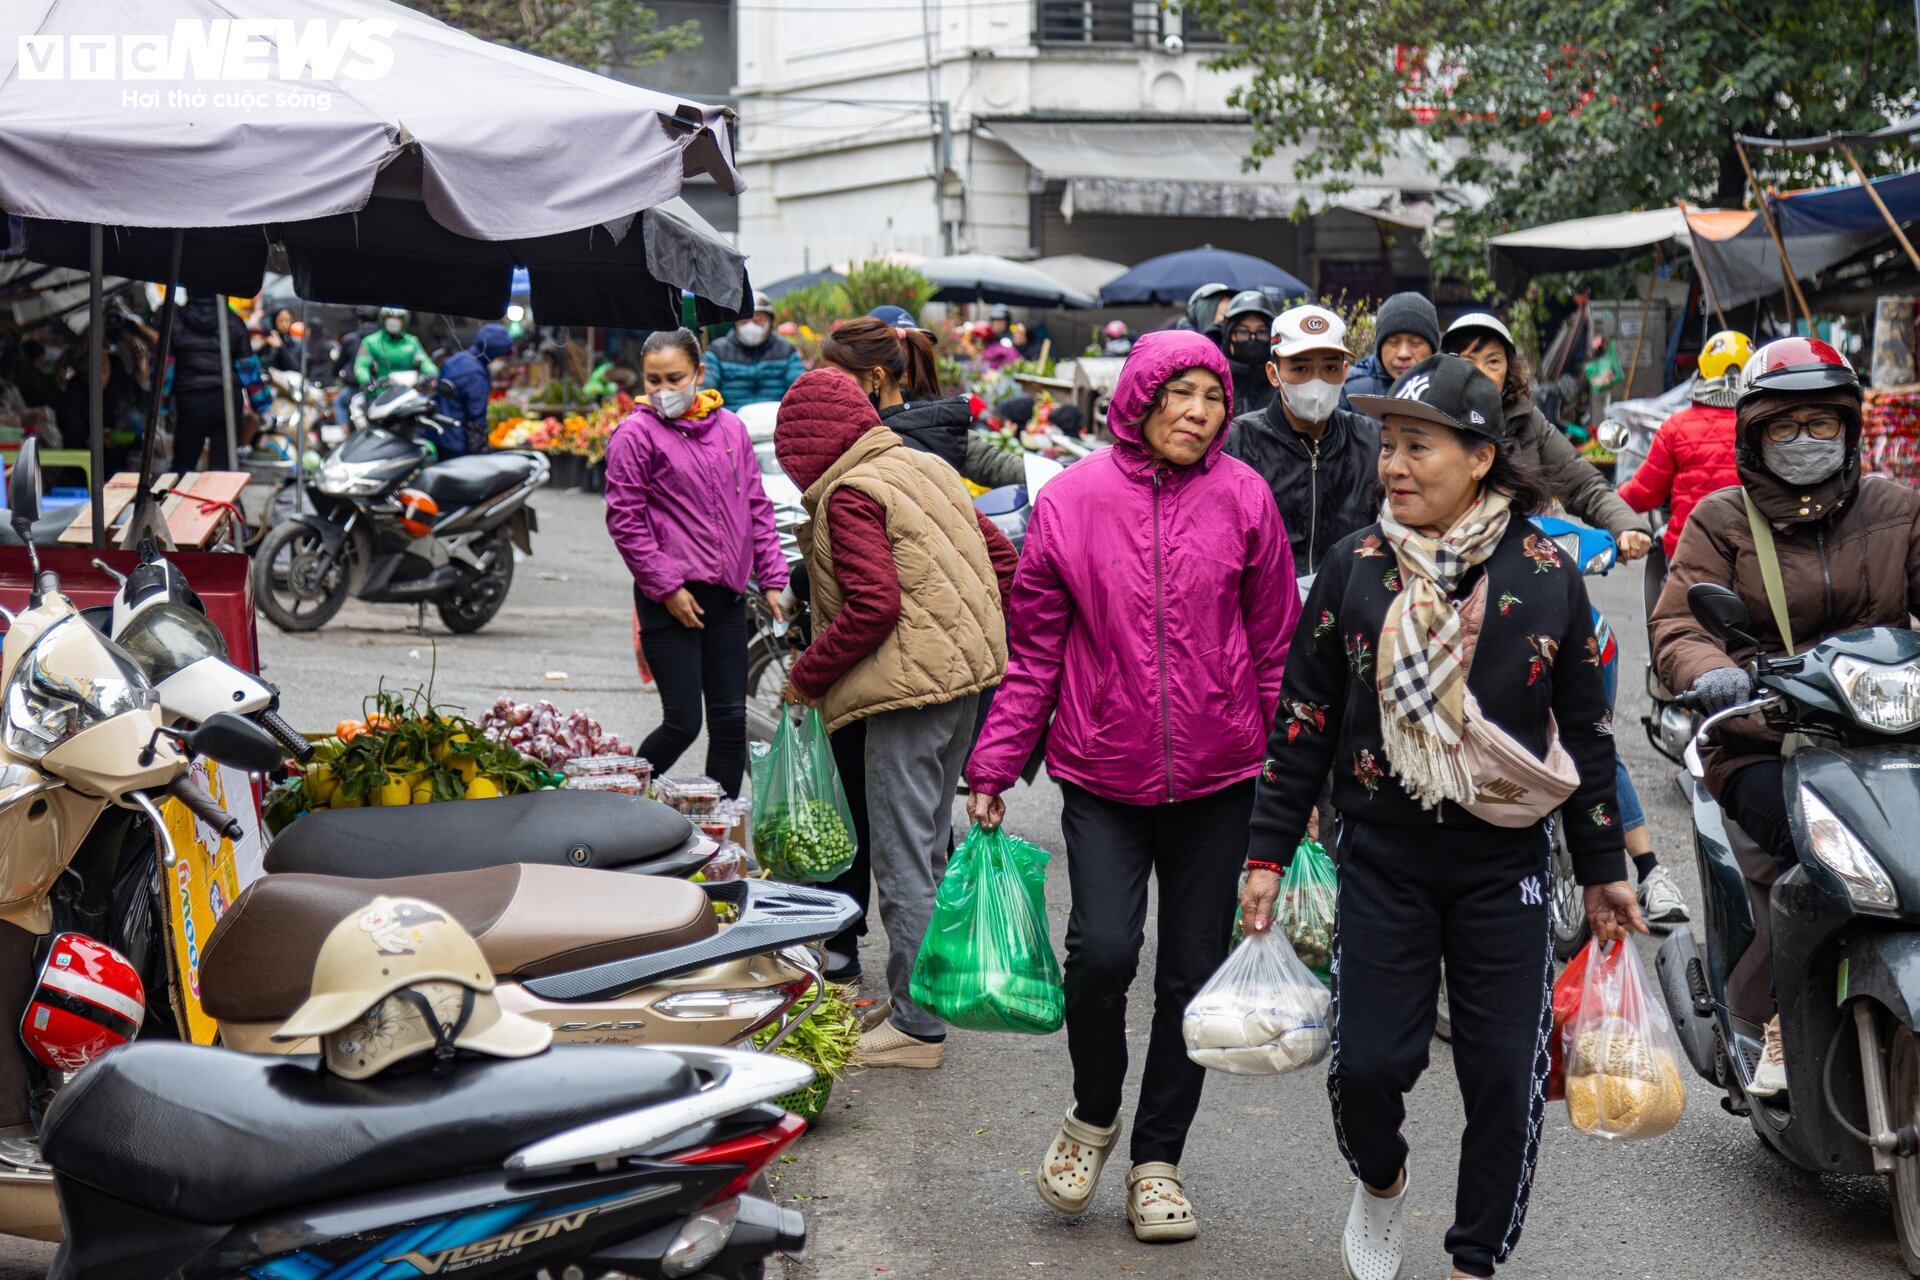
[1029, 128]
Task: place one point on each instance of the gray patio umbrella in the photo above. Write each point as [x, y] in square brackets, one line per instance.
[981, 277]
[391, 158]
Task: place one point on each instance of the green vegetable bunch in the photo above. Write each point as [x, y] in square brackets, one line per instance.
[804, 841]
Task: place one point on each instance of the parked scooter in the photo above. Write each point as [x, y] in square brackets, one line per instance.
[389, 527]
[1833, 943]
[202, 1164]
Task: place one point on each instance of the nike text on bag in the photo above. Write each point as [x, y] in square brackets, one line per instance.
[1511, 786]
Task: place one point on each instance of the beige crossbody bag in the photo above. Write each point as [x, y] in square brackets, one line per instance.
[1512, 787]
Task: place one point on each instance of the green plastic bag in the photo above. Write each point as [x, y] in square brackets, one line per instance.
[1307, 899]
[802, 824]
[986, 963]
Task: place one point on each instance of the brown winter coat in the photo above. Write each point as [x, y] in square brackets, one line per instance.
[951, 639]
[1579, 485]
[1847, 561]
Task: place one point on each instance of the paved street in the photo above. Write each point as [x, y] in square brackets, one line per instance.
[917, 1174]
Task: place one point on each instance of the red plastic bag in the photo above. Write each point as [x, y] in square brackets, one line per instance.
[1566, 1002]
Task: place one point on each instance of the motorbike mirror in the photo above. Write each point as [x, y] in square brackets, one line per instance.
[235, 740]
[1721, 611]
[1612, 435]
[23, 486]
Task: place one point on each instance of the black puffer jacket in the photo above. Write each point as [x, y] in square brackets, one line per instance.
[1324, 487]
[938, 427]
[196, 343]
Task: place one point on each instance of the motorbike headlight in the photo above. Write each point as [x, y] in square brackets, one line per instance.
[1842, 853]
[44, 706]
[352, 479]
[1880, 697]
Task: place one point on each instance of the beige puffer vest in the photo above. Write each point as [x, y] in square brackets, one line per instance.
[951, 639]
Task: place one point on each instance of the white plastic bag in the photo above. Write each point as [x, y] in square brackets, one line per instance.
[1262, 1013]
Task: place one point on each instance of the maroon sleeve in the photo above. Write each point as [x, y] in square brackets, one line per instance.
[870, 584]
[1005, 560]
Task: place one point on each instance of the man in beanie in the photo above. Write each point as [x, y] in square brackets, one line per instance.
[1846, 546]
[1406, 330]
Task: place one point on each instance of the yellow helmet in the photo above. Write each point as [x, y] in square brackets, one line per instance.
[1726, 350]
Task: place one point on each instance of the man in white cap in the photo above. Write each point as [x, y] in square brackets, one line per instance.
[1318, 458]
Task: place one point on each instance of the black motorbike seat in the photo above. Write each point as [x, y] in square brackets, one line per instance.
[461, 482]
[602, 829]
[212, 1136]
[530, 922]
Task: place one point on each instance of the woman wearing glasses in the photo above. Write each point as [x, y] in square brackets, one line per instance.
[1849, 553]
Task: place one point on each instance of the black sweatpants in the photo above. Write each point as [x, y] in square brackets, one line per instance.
[1756, 797]
[689, 663]
[1410, 896]
[1196, 849]
[200, 422]
[850, 757]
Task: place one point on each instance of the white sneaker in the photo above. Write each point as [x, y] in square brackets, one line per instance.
[1771, 1077]
[1661, 901]
[1370, 1246]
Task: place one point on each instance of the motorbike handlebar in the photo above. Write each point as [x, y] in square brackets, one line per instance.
[204, 807]
[1688, 701]
[289, 737]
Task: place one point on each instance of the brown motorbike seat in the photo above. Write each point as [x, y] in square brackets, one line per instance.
[530, 921]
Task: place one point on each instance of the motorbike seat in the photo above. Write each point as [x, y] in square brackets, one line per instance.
[559, 828]
[461, 482]
[530, 922]
[212, 1136]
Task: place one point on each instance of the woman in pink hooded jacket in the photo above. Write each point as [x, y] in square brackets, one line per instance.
[1150, 621]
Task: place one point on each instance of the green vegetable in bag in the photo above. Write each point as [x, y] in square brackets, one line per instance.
[1308, 895]
[802, 824]
[986, 963]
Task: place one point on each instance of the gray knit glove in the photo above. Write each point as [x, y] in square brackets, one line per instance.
[1720, 688]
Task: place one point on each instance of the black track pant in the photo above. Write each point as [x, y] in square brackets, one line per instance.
[200, 422]
[1756, 796]
[1410, 896]
[692, 663]
[1195, 849]
[850, 755]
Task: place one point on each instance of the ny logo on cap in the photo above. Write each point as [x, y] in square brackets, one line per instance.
[1416, 387]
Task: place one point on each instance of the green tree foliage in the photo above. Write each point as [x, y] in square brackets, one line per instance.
[1566, 109]
[607, 35]
[877, 283]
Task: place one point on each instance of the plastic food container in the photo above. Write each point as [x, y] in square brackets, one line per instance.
[631, 784]
[728, 864]
[690, 794]
[717, 824]
[583, 767]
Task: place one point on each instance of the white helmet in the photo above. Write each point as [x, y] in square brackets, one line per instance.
[399, 978]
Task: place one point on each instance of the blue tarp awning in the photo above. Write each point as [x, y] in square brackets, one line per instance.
[1837, 210]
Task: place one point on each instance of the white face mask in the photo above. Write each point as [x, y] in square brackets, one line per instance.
[750, 334]
[395, 325]
[1311, 401]
[671, 405]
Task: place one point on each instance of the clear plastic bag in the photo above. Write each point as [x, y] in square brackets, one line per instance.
[802, 824]
[986, 962]
[1308, 895]
[1262, 1013]
[1623, 1064]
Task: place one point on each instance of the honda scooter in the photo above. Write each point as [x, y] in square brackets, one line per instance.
[201, 1164]
[1834, 942]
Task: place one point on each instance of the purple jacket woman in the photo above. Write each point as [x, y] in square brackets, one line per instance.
[1150, 621]
[687, 511]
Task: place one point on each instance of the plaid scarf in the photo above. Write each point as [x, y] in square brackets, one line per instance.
[1423, 673]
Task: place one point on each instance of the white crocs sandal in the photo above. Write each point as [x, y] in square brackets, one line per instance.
[1157, 1204]
[1370, 1246]
[1070, 1169]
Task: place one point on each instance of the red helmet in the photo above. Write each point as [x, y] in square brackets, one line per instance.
[88, 1000]
[1796, 364]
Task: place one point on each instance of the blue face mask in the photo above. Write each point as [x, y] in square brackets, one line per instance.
[1804, 460]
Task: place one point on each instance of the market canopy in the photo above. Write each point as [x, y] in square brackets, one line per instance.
[1087, 274]
[349, 135]
[1899, 131]
[1170, 279]
[981, 277]
[1582, 244]
[1094, 159]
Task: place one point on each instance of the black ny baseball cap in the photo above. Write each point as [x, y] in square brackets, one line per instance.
[1448, 390]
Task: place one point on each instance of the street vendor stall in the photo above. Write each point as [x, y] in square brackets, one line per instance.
[365, 162]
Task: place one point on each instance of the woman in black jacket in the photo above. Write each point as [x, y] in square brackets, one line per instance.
[199, 414]
[1376, 690]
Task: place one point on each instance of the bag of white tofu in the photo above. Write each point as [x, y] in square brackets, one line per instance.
[1263, 1013]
